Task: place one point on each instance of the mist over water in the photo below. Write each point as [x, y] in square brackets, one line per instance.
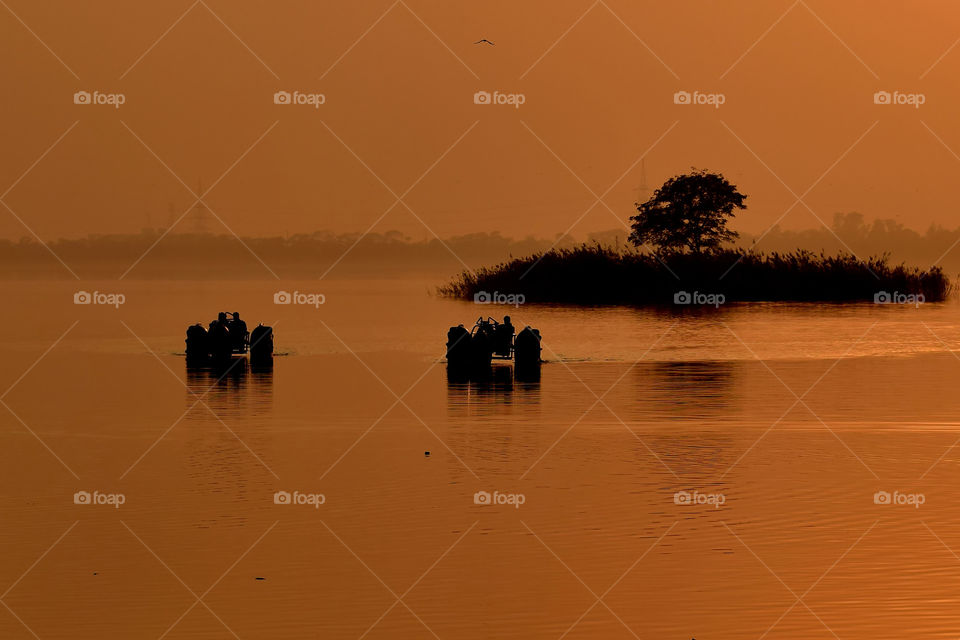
[361, 178]
[697, 458]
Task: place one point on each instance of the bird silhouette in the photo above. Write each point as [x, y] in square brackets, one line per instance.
[484, 40]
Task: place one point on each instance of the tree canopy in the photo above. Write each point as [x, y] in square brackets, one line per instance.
[688, 212]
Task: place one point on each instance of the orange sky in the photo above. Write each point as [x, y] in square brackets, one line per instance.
[800, 98]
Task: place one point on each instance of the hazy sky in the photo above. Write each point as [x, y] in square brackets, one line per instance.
[797, 78]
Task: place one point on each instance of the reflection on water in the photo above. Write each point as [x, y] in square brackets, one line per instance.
[227, 407]
[698, 413]
[235, 388]
[688, 390]
[500, 384]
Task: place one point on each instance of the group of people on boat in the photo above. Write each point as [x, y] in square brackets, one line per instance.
[491, 339]
[236, 329]
[228, 335]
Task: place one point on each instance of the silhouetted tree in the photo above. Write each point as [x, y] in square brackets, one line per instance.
[689, 211]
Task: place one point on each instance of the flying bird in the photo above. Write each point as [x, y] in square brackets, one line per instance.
[484, 41]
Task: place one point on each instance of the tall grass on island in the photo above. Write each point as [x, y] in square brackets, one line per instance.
[599, 275]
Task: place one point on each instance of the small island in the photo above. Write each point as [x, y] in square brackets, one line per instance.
[681, 253]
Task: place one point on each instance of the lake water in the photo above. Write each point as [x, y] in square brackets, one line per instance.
[710, 473]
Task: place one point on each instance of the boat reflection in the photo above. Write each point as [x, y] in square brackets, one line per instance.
[688, 390]
[236, 388]
[500, 385]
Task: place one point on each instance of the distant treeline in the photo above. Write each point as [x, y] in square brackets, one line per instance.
[849, 232]
[393, 254]
[306, 255]
[594, 274]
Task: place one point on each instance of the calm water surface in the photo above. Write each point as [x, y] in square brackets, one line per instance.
[773, 426]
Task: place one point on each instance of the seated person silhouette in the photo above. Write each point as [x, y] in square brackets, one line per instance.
[504, 337]
[220, 321]
[238, 329]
